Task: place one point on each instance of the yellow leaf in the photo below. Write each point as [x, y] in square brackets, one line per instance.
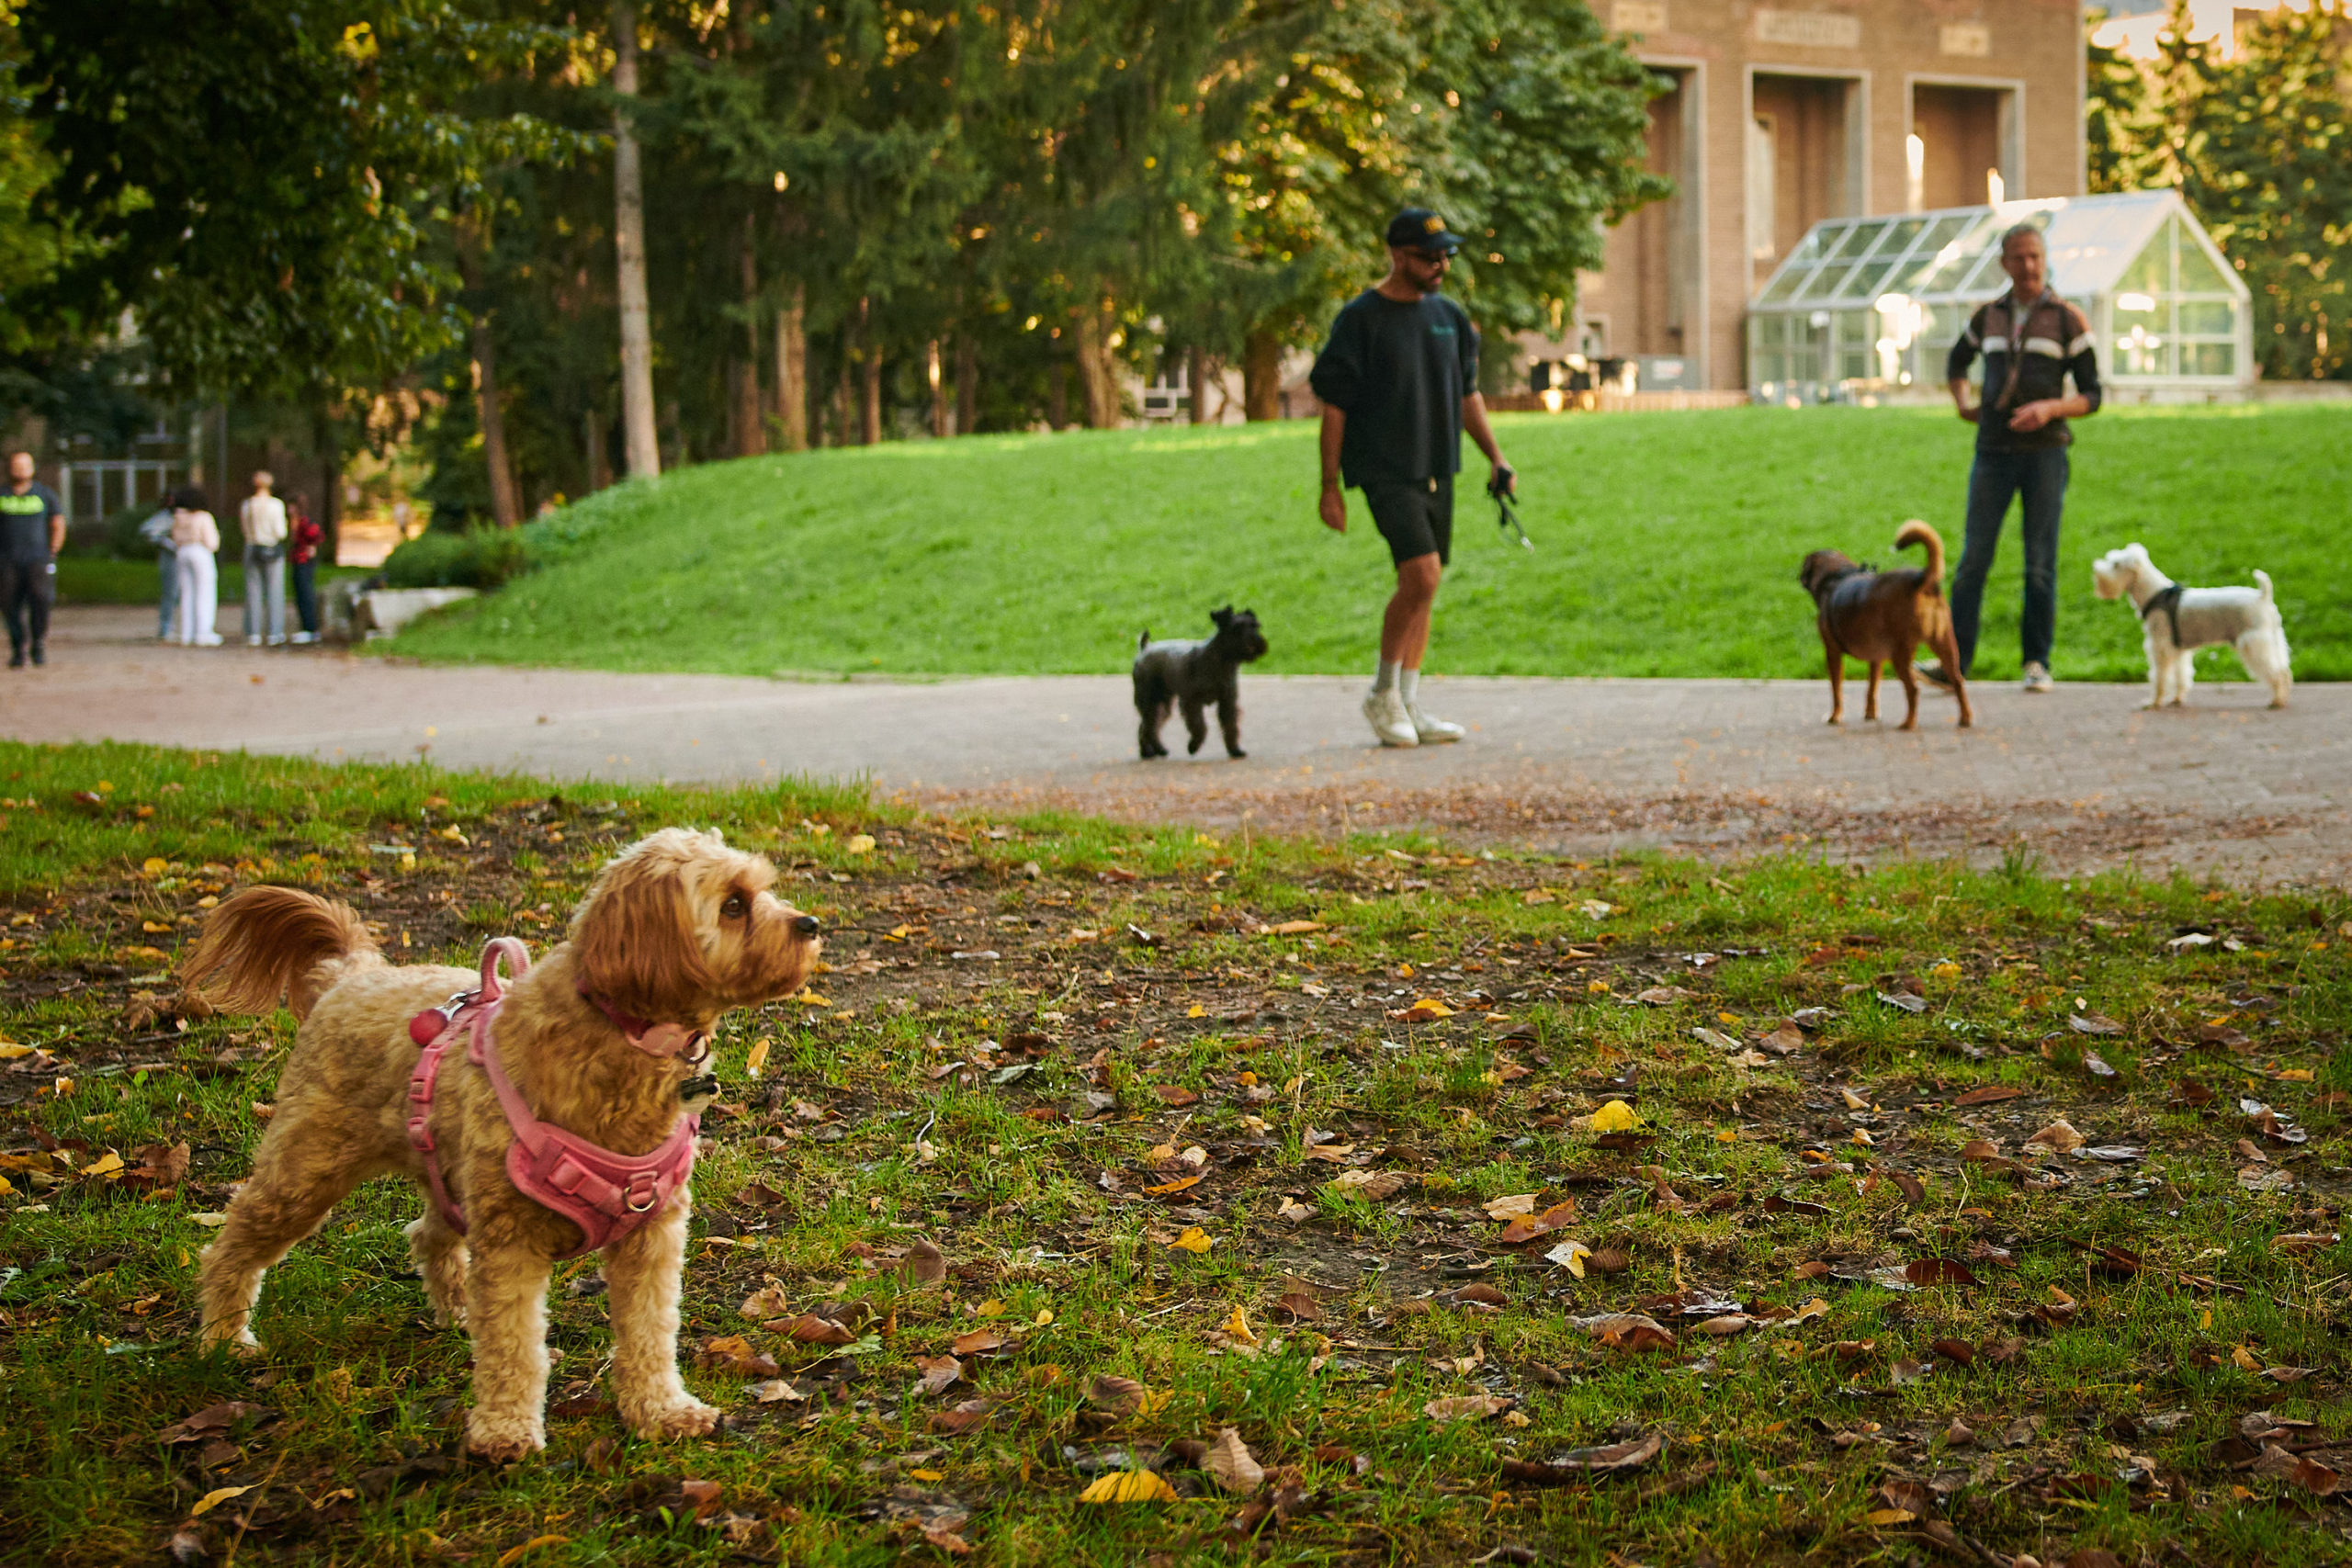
[898, 933]
[1597, 988]
[1614, 1117]
[927, 1475]
[1152, 1404]
[860, 844]
[1194, 1239]
[1129, 1487]
[153, 863]
[214, 1498]
[106, 1164]
[1196, 1011]
[152, 927]
[1239, 1327]
[10, 1050]
[514, 1552]
[2245, 1359]
[1296, 928]
[1730, 1019]
[756, 1057]
[1946, 971]
[1538, 895]
[989, 1308]
[1889, 1516]
[806, 998]
[1429, 1006]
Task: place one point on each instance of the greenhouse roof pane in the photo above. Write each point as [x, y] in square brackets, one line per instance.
[1952, 256]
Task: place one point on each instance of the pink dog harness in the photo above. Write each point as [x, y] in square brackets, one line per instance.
[606, 1194]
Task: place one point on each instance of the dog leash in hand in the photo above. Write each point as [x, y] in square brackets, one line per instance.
[1507, 518]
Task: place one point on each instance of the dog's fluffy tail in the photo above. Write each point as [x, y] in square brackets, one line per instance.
[265, 942]
[1917, 533]
[1144, 641]
[2262, 578]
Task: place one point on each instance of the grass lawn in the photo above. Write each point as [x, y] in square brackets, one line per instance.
[1666, 545]
[1243, 1122]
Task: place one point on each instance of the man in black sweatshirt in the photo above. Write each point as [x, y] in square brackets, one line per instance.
[1399, 381]
[2031, 341]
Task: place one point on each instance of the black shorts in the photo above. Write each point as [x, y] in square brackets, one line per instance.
[1416, 519]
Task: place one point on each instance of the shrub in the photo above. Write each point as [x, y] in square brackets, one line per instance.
[122, 533]
[479, 558]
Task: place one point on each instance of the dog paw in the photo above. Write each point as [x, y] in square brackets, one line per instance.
[684, 1417]
[1237, 753]
[1192, 748]
[502, 1441]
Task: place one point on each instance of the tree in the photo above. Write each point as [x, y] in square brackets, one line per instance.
[629, 249]
[2257, 145]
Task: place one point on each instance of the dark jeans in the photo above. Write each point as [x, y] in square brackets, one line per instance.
[306, 595]
[2039, 480]
[28, 588]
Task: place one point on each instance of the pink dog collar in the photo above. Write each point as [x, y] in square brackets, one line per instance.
[606, 1194]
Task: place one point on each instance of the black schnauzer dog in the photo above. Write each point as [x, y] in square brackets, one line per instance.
[1192, 675]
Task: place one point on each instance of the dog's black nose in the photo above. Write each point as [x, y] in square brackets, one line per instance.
[807, 925]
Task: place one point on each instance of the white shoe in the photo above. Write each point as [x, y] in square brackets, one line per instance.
[1389, 719]
[214, 640]
[1432, 731]
[252, 642]
[302, 639]
[2037, 678]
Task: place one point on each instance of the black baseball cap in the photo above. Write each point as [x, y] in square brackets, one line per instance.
[1422, 229]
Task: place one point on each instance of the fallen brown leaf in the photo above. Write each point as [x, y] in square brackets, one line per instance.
[1988, 1095]
[938, 1371]
[925, 1264]
[1581, 1464]
[1466, 1408]
[1231, 1465]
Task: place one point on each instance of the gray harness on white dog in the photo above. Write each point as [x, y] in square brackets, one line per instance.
[2168, 600]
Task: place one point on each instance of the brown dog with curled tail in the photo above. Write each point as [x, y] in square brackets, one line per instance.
[1880, 618]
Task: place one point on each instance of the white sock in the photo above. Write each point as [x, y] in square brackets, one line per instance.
[1385, 680]
[1409, 686]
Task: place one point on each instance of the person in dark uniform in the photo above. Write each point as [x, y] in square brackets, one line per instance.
[1399, 380]
[33, 522]
[2031, 341]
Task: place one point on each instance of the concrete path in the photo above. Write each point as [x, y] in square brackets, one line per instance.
[2082, 776]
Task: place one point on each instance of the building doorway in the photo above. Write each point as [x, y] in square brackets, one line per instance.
[1804, 150]
[1959, 154]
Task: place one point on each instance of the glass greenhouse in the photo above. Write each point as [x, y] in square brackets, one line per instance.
[1867, 308]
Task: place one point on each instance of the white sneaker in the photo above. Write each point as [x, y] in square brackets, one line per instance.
[2037, 678]
[278, 641]
[212, 639]
[302, 639]
[1432, 731]
[1389, 719]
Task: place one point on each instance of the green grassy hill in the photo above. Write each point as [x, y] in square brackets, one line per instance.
[1666, 545]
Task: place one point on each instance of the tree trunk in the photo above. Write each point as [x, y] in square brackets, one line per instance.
[600, 468]
[1261, 376]
[751, 433]
[1097, 372]
[1057, 394]
[792, 369]
[967, 384]
[869, 402]
[329, 490]
[629, 247]
[844, 411]
[1196, 383]
[504, 508]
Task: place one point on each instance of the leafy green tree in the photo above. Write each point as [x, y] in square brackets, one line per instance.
[2256, 144]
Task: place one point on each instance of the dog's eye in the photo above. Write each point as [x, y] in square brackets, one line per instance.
[734, 908]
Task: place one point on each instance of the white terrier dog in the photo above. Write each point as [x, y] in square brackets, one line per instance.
[2178, 621]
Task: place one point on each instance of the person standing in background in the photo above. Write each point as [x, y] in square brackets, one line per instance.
[302, 550]
[32, 530]
[195, 537]
[157, 531]
[263, 518]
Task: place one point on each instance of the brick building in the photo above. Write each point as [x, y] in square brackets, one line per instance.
[1783, 115]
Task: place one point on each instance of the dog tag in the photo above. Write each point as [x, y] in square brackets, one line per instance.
[696, 1093]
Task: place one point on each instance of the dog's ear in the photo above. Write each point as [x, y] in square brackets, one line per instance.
[1222, 618]
[635, 942]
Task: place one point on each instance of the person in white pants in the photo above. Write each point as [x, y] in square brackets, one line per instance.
[195, 537]
[263, 517]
